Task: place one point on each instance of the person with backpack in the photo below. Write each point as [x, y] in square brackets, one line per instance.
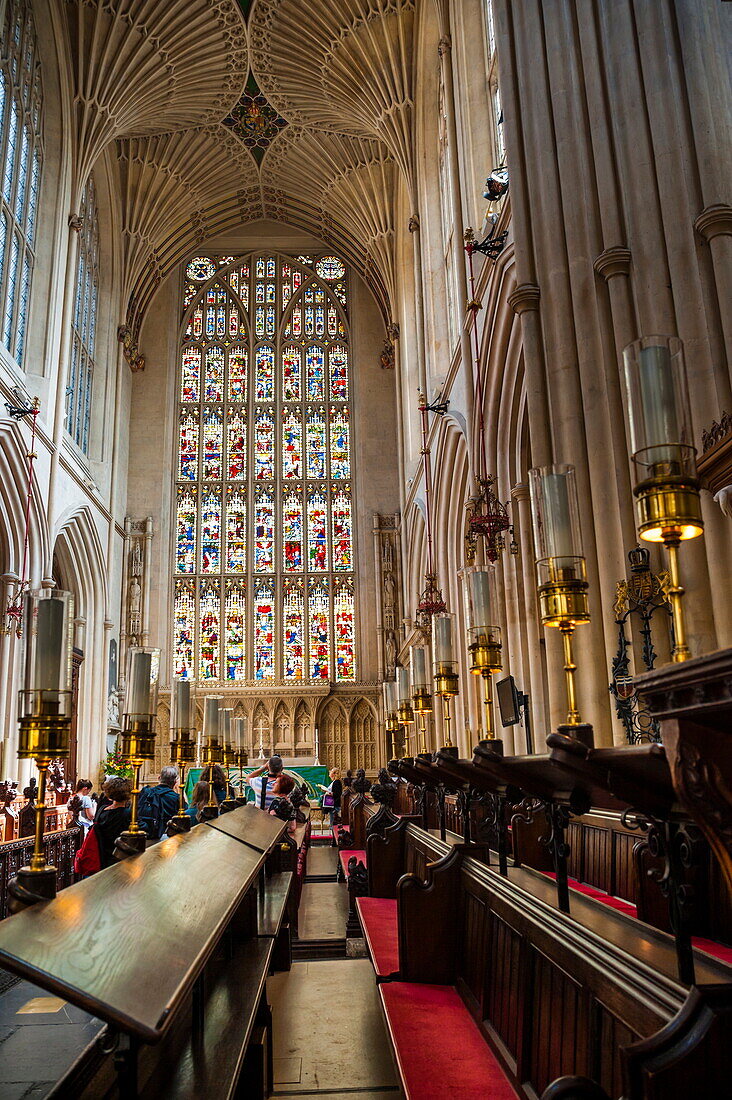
[156, 805]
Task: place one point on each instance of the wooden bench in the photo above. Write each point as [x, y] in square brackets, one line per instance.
[505, 965]
[171, 949]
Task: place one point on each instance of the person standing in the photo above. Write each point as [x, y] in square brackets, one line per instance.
[264, 785]
[82, 805]
[335, 790]
[114, 818]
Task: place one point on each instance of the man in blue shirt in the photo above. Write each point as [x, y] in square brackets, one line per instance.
[263, 785]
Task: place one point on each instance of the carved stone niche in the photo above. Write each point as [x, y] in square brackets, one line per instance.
[715, 463]
[693, 702]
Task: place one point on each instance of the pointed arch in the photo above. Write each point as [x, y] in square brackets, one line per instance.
[333, 734]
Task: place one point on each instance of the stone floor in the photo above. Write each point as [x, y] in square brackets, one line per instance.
[329, 1037]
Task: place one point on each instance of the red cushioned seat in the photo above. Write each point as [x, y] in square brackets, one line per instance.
[379, 924]
[345, 854]
[439, 1048]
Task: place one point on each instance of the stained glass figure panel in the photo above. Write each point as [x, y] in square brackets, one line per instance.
[186, 520]
[291, 374]
[235, 631]
[213, 384]
[209, 612]
[315, 431]
[191, 374]
[317, 533]
[184, 630]
[264, 627]
[210, 532]
[236, 444]
[291, 445]
[236, 530]
[319, 631]
[264, 376]
[188, 446]
[293, 632]
[264, 447]
[212, 434]
[345, 662]
[316, 373]
[340, 443]
[237, 384]
[342, 532]
[292, 533]
[264, 534]
[338, 372]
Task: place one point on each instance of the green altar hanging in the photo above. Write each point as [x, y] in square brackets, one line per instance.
[312, 776]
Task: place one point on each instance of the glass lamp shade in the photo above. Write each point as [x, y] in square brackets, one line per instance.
[227, 726]
[560, 561]
[443, 644]
[44, 702]
[419, 670]
[404, 698]
[183, 711]
[661, 439]
[389, 688]
[240, 732]
[212, 718]
[141, 691]
[484, 637]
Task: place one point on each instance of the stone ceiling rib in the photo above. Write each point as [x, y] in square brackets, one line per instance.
[347, 67]
[151, 66]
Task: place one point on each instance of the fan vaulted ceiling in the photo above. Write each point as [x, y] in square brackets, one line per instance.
[224, 113]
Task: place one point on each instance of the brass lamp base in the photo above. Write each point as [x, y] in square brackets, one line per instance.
[44, 737]
[446, 684]
[564, 602]
[30, 886]
[211, 753]
[485, 657]
[422, 701]
[582, 732]
[668, 508]
[130, 843]
[137, 745]
[179, 823]
[405, 714]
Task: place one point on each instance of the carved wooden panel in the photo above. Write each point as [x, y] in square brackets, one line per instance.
[502, 997]
[609, 1034]
[558, 1029]
[473, 944]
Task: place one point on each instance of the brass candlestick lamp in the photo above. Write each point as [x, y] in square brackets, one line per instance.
[484, 638]
[242, 756]
[182, 745]
[211, 752]
[421, 694]
[405, 713]
[666, 490]
[444, 666]
[44, 709]
[560, 565]
[391, 719]
[136, 742]
[228, 757]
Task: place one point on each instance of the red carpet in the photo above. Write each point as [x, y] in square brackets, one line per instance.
[438, 1045]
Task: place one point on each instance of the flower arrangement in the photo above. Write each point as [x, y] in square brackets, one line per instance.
[117, 764]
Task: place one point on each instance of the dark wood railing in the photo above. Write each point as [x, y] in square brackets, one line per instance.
[60, 849]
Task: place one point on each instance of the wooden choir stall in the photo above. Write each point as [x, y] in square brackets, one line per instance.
[558, 925]
[171, 950]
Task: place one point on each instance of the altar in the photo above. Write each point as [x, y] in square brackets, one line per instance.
[312, 775]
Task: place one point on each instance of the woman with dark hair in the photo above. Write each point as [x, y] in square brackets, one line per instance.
[199, 799]
[82, 806]
[114, 818]
[220, 782]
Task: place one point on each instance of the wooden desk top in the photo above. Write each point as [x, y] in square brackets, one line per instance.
[639, 775]
[251, 826]
[127, 943]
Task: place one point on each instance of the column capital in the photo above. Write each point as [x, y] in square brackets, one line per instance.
[524, 298]
[520, 492]
[613, 261]
[444, 45]
[413, 223]
[715, 221]
[76, 223]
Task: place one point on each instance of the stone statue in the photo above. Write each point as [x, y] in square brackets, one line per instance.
[390, 653]
[113, 710]
[136, 559]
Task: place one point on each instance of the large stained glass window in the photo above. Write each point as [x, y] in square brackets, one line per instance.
[21, 158]
[84, 323]
[264, 547]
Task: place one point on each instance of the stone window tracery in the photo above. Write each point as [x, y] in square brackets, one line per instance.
[264, 566]
[21, 160]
